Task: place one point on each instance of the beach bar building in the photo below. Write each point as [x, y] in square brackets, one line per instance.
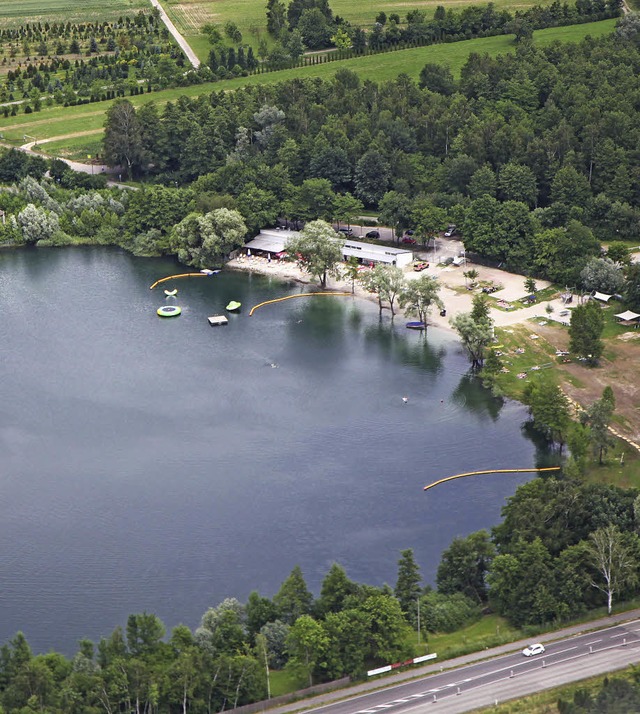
[271, 242]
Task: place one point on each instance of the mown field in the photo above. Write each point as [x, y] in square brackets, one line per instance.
[62, 122]
[250, 15]
[18, 12]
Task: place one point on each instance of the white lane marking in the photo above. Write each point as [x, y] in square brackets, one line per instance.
[562, 651]
[416, 696]
[594, 642]
[622, 634]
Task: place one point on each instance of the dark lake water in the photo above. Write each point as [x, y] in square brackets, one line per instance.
[163, 465]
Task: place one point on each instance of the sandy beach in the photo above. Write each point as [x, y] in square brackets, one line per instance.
[454, 293]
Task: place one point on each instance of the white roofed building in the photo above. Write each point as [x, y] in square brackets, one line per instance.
[274, 241]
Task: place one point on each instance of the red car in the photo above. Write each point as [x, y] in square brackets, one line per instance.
[409, 240]
[418, 267]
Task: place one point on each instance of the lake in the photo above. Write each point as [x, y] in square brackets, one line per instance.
[163, 465]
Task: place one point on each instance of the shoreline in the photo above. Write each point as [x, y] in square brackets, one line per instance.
[288, 271]
[457, 299]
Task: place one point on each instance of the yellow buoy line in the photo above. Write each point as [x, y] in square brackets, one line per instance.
[183, 275]
[490, 471]
[290, 297]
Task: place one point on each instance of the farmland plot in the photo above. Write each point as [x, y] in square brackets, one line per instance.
[17, 12]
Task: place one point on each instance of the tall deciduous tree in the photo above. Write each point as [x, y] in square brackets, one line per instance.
[387, 282]
[549, 410]
[464, 565]
[318, 250]
[613, 560]
[372, 177]
[307, 643]
[598, 417]
[419, 296]
[585, 331]
[122, 141]
[475, 329]
[205, 241]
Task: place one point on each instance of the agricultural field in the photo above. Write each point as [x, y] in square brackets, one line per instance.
[67, 62]
[250, 15]
[64, 121]
[17, 12]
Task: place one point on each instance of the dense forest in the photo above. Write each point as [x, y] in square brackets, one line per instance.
[532, 155]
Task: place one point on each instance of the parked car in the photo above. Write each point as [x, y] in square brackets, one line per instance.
[346, 231]
[450, 231]
[418, 267]
[533, 650]
[372, 234]
[409, 240]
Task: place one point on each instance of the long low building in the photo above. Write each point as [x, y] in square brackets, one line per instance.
[272, 242]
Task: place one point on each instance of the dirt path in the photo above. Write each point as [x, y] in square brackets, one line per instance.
[184, 45]
[75, 165]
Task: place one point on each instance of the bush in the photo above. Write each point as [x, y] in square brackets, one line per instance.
[448, 613]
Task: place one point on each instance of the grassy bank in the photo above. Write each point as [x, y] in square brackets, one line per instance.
[62, 121]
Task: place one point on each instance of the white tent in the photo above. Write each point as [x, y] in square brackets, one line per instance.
[603, 297]
[627, 315]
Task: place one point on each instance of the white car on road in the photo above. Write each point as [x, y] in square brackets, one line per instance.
[532, 650]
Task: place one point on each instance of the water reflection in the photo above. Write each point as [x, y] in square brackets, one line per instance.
[395, 342]
[476, 399]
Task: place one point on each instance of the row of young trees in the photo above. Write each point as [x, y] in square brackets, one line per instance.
[311, 24]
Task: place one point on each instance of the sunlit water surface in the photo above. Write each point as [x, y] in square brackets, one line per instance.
[163, 465]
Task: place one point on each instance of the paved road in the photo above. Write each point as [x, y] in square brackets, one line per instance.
[184, 46]
[503, 678]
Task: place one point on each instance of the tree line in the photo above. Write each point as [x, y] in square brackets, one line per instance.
[563, 547]
[311, 24]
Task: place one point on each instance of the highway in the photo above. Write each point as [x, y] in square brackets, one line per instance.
[502, 678]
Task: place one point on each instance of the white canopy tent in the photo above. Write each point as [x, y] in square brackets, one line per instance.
[627, 316]
[603, 297]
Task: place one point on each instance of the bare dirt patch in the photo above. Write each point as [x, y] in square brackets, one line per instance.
[620, 372]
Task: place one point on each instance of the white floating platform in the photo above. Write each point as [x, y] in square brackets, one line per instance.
[215, 320]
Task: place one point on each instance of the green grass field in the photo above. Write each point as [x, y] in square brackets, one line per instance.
[250, 15]
[62, 121]
[18, 12]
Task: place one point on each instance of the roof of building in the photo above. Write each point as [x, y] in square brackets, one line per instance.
[274, 241]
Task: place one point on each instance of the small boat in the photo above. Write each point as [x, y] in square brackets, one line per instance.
[171, 293]
[416, 325]
[169, 311]
[233, 306]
